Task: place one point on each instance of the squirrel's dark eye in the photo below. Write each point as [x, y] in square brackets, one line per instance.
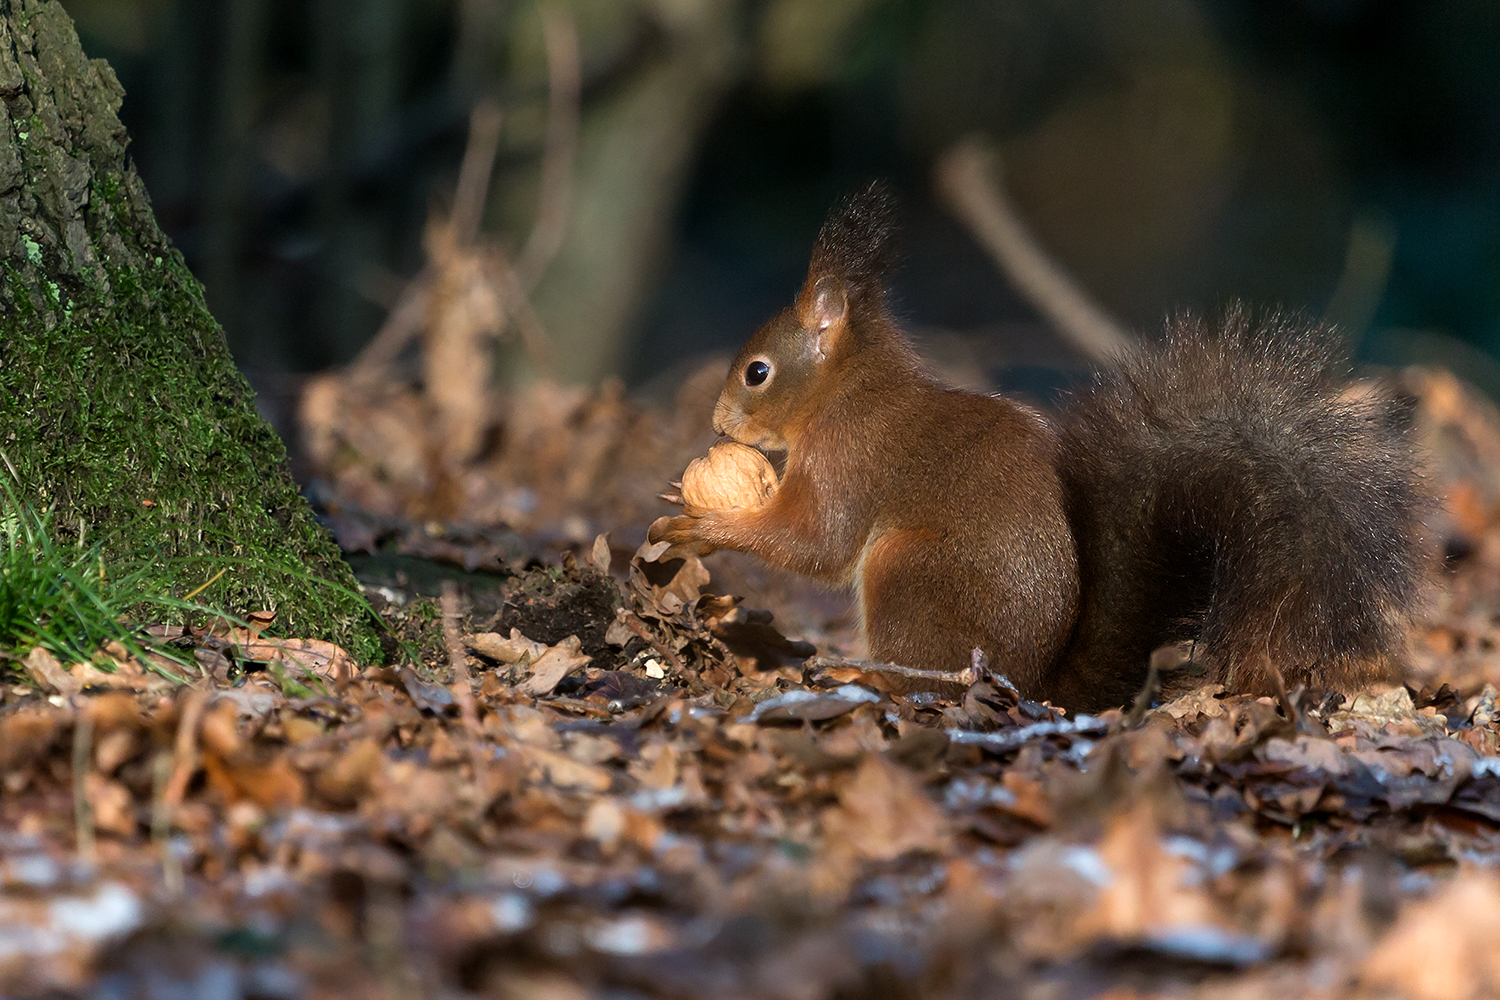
[757, 372]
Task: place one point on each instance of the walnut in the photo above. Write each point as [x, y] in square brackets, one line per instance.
[729, 477]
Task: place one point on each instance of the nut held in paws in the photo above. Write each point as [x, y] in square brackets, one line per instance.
[729, 477]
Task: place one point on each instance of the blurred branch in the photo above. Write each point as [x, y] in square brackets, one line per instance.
[519, 310]
[474, 175]
[564, 79]
[967, 180]
[401, 326]
[514, 281]
[1367, 270]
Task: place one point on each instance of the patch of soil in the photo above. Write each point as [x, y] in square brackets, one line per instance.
[548, 605]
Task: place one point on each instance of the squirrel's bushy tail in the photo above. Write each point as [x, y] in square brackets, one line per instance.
[1232, 487]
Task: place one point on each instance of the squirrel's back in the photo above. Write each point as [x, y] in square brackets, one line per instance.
[1232, 487]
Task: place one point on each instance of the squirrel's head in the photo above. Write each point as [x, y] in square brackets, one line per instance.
[787, 368]
[779, 375]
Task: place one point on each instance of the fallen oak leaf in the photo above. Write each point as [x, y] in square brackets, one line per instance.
[1391, 711]
[1202, 701]
[1013, 739]
[1154, 899]
[1443, 948]
[237, 772]
[427, 696]
[749, 634]
[352, 775]
[563, 771]
[883, 813]
[552, 666]
[600, 556]
[272, 784]
[800, 705]
[666, 579]
[47, 672]
[317, 656]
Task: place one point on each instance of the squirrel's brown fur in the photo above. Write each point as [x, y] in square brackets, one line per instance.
[1226, 486]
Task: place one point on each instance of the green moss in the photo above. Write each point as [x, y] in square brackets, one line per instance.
[120, 406]
[129, 418]
[21, 293]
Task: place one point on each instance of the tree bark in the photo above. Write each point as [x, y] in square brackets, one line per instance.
[120, 406]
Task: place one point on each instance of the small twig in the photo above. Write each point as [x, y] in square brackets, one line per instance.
[967, 180]
[519, 310]
[185, 749]
[968, 675]
[1014, 739]
[476, 171]
[1144, 697]
[83, 813]
[463, 693]
[400, 328]
[459, 661]
[564, 82]
[1288, 707]
[633, 622]
[161, 823]
[1164, 660]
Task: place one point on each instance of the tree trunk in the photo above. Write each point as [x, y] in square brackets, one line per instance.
[119, 404]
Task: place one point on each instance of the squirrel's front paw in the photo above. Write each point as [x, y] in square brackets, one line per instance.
[684, 532]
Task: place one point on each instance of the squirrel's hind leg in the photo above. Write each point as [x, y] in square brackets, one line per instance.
[927, 606]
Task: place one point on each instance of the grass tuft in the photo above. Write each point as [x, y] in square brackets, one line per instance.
[63, 598]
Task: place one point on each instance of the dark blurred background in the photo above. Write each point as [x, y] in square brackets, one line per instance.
[1336, 156]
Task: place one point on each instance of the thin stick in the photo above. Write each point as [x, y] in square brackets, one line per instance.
[519, 310]
[968, 675]
[967, 179]
[1163, 659]
[161, 823]
[83, 813]
[185, 749]
[1014, 739]
[464, 692]
[633, 622]
[401, 326]
[1282, 698]
[475, 173]
[459, 661]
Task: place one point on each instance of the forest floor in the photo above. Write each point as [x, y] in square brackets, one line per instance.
[587, 773]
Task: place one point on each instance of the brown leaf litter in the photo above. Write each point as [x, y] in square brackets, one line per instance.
[697, 808]
[589, 772]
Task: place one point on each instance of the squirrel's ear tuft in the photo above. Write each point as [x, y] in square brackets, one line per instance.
[855, 243]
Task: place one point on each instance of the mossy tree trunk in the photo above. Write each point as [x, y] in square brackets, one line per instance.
[120, 406]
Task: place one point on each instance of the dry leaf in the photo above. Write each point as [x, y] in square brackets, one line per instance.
[317, 656]
[548, 670]
[46, 671]
[1200, 701]
[599, 555]
[512, 650]
[1443, 948]
[564, 772]
[883, 812]
[1392, 708]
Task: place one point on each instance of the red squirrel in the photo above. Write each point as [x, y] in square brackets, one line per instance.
[1226, 487]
